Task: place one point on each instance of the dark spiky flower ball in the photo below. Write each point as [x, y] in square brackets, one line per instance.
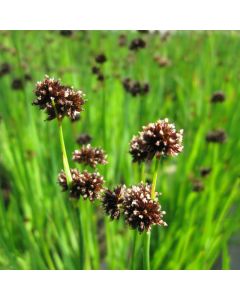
[218, 96]
[90, 156]
[66, 33]
[216, 136]
[17, 84]
[95, 70]
[5, 68]
[197, 186]
[156, 139]
[112, 201]
[137, 44]
[84, 139]
[58, 100]
[204, 172]
[85, 184]
[101, 58]
[140, 211]
[135, 88]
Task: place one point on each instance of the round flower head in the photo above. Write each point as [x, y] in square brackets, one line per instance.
[58, 100]
[216, 136]
[101, 58]
[90, 156]
[137, 44]
[218, 96]
[84, 139]
[140, 211]
[87, 185]
[157, 139]
[112, 201]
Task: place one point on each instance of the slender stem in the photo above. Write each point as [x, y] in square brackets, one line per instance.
[154, 181]
[146, 250]
[64, 154]
[147, 236]
[134, 248]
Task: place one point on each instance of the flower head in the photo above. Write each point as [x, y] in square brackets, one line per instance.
[140, 211]
[58, 100]
[218, 96]
[137, 44]
[84, 139]
[101, 58]
[112, 201]
[156, 139]
[135, 88]
[87, 185]
[216, 136]
[90, 156]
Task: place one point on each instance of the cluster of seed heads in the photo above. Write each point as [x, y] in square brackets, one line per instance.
[156, 140]
[135, 88]
[136, 206]
[58, 100]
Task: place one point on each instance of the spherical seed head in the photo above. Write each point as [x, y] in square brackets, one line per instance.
[135, 88]
[58, 100]
[205, 171]
[87, 185]
[216, 136]
[101, 58]
[140, 211]
[156, 139]
[84, 139]
[90, 185]
[112, 201]
[137, 44]
[218, 96]
[5, 68]
[17, 84]
[137, 150]
[90, 156]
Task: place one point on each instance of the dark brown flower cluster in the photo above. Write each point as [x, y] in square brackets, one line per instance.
[17, 84]
[84, 139]
[135, 88]
[101, 58]
[112, 201]
[87, 185]
[5, 69]
[90, 156]
[66, 33]
[97, 71]
[216, 136]
[218, 96]
[137, 44]
[58, 100]
[156, 139]
[140, 212]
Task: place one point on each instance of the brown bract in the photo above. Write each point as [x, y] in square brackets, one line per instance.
[58, 100]
[140, 211]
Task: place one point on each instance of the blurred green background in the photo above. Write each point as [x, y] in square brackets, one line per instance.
[183, 70]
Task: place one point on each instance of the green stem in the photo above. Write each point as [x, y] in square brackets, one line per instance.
[64, 154]
[154, 181]
[146, 250]
[134, 249]
[147, 236]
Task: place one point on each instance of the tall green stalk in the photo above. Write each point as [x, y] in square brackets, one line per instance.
[147, 235]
